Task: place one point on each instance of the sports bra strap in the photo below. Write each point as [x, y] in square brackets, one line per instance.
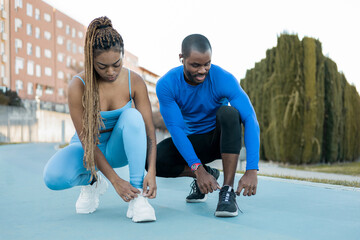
[130, 85]
[129, 82]
[80, 79]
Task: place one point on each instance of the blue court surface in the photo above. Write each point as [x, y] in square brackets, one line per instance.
[280, 210]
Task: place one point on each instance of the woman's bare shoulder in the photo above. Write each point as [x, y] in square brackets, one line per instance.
[136, 79]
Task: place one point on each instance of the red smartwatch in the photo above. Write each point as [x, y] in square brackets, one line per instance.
[195, 166]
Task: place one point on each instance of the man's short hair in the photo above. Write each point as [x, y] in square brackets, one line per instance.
[195, 42]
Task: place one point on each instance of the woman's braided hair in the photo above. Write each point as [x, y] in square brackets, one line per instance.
[100, 37]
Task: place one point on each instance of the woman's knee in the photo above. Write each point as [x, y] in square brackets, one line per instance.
[53, 179]
[62, 168]
[133, 119]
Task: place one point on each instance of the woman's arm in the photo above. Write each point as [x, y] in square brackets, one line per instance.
[123, 188]
[142, 104]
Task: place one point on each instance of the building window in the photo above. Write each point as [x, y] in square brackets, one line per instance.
[29, 49]
[48, 71]
[38, 70]
[18, 45]
[37, 14]
[61, 92]
[74, 48]
[18, 24]
[81, 64]
[68, 61]
[60, 40]
[18, 4]
[18, 85]
[29, 10]
[59, 24]
[47, 53]
[38, 52]
[47, 35]
[73, 32]
[30, 90]
[81, 49]
[39, 90]
[60, 75]
[68, 45]
[67, 29]
[28, 29]
[2, 26]
[49, 90]
[80, 34]
[2, 71]
[19, 64]
[37, 32]
[47, 17]
[60, 57]
[2, 48]
[30, 68]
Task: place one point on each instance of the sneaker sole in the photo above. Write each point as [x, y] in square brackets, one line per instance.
[93, 208]
[197, 200]
[145, 218]
[87, 210]
[225, 214]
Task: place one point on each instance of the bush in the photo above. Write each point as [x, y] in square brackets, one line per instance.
[10, 98]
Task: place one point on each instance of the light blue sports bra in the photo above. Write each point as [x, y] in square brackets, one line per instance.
[110, 117]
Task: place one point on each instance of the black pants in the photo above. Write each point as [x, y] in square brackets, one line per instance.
[225, 138]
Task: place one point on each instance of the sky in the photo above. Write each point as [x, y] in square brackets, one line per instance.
[239, 31]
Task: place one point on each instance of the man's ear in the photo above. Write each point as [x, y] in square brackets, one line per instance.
[181, 58]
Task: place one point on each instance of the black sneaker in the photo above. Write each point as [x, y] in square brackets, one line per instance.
[227, 206]
[195, 195]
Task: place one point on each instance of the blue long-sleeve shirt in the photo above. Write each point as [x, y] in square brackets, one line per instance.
[189, 109]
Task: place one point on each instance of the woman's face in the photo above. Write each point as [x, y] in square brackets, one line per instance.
[108, 65]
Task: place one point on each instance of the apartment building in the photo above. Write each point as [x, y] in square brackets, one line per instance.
[132, 62]
[42, 48]
[4, 46]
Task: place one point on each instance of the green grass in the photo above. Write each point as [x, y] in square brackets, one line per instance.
[63, 145]
[352, 168]
[315, 180]
[6, 143]
[326, 181]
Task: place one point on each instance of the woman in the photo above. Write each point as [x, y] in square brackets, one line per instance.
[109, 132]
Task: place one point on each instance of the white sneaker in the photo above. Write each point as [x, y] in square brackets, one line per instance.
[88, 200]
[140, 210]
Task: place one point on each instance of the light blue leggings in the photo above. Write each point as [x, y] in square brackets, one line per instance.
[125, 144]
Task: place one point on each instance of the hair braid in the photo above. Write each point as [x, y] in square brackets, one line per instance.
[100, 37]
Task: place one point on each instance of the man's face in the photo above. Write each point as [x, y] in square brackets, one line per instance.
[197, 66]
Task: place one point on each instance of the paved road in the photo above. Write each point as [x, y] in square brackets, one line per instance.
[281, 210]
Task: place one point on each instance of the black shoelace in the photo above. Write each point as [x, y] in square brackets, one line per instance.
[225, 196]
[194, 188]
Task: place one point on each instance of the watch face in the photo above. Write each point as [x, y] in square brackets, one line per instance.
[195, 166]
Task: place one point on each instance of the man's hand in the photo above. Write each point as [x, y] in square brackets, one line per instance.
[248, 182]
[149, 185]
[206, 182]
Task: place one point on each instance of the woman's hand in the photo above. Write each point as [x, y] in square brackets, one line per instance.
[149, 185]
[125, 190]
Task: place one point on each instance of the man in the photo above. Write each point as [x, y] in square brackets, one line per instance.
[194, 101]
